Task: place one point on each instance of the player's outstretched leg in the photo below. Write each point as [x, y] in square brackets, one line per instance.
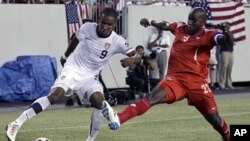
[136, 109]
[219, 124]
[38, 106]
[223, 130]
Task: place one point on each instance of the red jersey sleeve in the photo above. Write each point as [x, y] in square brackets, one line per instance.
[173, 26]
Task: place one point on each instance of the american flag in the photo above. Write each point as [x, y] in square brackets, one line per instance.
[75, 13]
[232, 12]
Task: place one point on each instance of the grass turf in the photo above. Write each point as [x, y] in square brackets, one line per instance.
[175, 122]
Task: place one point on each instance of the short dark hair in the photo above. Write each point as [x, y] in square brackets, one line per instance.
[201, 12]
[86, 20]
[139, 47]
[110, 12]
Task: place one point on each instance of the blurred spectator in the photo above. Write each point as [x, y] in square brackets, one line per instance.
[238, 1]
[34, 1]
[100, 5]
[212, 66]
[225, 79]
[119, 5]
[24, 1]
[91, 2]
[158, 43]
[246, 3]
[158, 2]
[170, 3]
[132, 3]
[137, 76]
[181, 3]
[188, 2]
[48, 1]
[8, 1]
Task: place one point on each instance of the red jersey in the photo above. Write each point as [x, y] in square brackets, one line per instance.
[190, 53]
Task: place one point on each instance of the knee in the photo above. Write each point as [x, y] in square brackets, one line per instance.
[96, 99]
[55, 95]
[52, 99]
[156, 96]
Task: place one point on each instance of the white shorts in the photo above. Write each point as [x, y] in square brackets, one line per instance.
[212, 59]
[83, 83]
[212, 62]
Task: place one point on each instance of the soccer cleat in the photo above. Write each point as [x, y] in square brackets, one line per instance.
[115, 124]
[90, 138]
[11, 130]
[108, 112]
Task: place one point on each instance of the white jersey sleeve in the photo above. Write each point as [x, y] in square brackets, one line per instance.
[80, 33]
[123, 46]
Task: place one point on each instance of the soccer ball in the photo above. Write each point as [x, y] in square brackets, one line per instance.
[42, 139]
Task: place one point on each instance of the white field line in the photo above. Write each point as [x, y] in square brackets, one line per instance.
[137, 122]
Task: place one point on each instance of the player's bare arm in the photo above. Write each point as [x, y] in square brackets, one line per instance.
[132, 60]
[160, 25]
[71, 47]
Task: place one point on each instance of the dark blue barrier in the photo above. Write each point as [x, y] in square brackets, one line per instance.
[27, 78]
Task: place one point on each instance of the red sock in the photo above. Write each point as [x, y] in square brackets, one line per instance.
[136, 109]
[224, 130]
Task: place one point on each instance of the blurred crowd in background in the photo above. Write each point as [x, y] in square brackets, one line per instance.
[91, 10]
[118, 4]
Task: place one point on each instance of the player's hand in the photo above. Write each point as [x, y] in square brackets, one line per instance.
[222, 26]
[144, 22]
[126, 62]
[62, 61]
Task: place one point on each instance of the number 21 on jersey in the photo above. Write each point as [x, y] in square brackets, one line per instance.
[206, 89]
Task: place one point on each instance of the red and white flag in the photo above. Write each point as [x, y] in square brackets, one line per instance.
[75, 13]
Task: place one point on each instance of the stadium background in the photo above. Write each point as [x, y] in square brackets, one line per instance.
[42, 30]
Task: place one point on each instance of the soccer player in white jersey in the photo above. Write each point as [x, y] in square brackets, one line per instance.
[87, 54]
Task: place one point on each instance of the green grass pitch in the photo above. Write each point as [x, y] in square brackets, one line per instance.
[175, 122]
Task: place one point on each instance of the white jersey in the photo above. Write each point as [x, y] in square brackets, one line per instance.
[93, 52]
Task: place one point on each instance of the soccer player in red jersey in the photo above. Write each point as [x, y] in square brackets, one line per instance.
[187, 72]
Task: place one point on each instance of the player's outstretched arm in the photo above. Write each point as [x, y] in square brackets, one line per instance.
[132, 60]
[160, 25]
[220, 38]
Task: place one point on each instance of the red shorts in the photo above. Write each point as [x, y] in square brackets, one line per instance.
[192, 87]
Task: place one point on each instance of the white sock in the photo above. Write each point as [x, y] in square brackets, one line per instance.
[36, 107]
[96, 121]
